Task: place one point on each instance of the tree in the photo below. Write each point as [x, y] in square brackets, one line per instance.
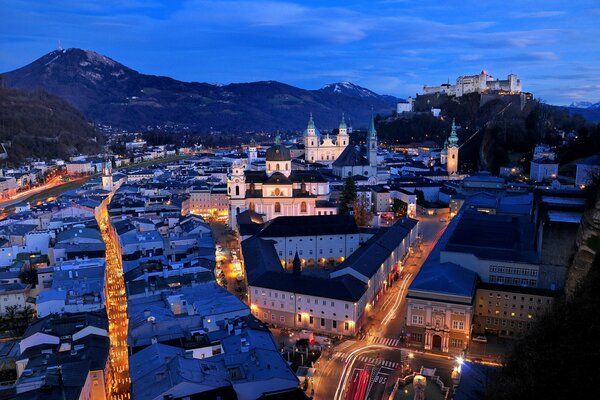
[28, 276]
[362, 210]
[420, 196]
[348, 195]
[399, 208]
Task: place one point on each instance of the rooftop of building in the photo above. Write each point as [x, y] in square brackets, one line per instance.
[313, 225]
[445, 278]
[488, 236]
[250, 363]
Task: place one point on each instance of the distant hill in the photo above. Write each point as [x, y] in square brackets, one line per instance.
[40, 125]
[109, 92]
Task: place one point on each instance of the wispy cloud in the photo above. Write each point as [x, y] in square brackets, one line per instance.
[538, 14]
[389, 46]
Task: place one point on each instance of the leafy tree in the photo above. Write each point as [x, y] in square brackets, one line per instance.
[399, 208]
[362, 210]
[420, 196]
[348, 195]
[28, 276]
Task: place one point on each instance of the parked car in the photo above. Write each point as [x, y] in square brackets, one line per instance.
[443, 219]
[480, 339]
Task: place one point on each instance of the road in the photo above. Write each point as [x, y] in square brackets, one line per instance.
[379, 353]
[118, 383]
[22, 196]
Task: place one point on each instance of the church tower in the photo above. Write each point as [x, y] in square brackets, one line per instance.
[342, 138]
[452, 161]
[372, 144]
[311, 141]
[107, 180]
[236, 184]
[252, 154]
[444, 153]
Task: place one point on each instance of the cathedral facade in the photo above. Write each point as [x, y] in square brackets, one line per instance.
[324, 149]
[278, 190]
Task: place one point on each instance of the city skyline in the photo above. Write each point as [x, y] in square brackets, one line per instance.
[390, 47]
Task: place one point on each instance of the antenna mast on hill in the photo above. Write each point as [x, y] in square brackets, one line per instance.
[59, 46]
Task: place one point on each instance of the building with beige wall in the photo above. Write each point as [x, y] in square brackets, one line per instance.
[509, 311]
[440, 307]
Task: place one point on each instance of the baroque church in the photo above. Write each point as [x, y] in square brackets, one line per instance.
[323, 149]
[278, 190]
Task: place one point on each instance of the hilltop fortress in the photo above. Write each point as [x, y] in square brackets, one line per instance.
[482, 83]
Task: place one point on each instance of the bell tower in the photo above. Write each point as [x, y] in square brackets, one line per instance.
[342, 138]
[452, 157]
[311, 141]
[107, 180]
[372, 144]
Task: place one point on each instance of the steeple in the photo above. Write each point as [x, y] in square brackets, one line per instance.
[343, 123]
[372, 130]
[452, 151]
[343, 139]
[453, 138]
[372, 143]
[311, 124]
[296, 265]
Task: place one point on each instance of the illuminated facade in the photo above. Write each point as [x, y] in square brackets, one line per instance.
[480, 83]
[278, 191]
[324, 150]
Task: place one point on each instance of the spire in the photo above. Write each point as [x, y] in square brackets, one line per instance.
[311, 124]
[343, 123]
[296, 265]
[453, 138]
[372, 130]
[278, 140]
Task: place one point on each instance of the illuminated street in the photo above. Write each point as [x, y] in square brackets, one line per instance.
[118, 383]
[368, 367]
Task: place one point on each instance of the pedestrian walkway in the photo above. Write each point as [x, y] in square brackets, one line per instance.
[370, 360]
[386, 341]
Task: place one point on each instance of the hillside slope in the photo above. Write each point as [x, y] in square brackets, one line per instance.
[109, 92]
[40, 125]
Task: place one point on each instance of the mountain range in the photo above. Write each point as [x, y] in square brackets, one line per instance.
[587, 105]
[110, 93]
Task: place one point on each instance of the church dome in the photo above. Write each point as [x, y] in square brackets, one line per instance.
[278, 153]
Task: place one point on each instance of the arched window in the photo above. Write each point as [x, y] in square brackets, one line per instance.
[344, 142]
[252, 187]
[277, 166]
[312, 143]
[277, 207]
[237, 190]
[237, 210]
[303, 207]
[251, 206]
[269, 166]
[453, 156]
[366, 173]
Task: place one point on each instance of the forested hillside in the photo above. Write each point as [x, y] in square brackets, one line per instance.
[39, 125]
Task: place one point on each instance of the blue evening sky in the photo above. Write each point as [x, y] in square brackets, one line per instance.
[389, 46]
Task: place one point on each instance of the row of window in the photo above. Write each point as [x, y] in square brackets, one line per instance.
[334, 323]
[307, 299]
[513, 281]
[503, 322]
[310, 252]
[514, 297]
[497, 304]
[456, 325]
[505, 313]
[513, 270]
